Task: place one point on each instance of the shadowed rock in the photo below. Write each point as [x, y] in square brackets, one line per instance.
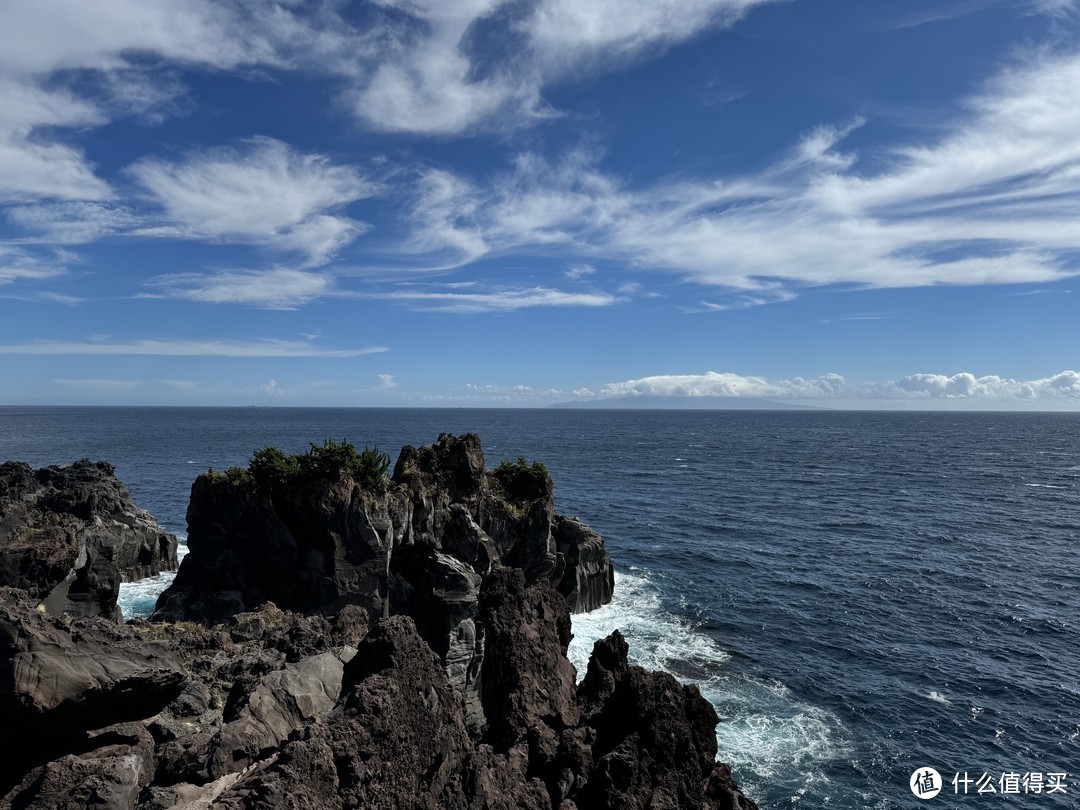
[422, 548]
[69, 535]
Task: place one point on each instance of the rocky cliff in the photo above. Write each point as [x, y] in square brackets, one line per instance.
[69, 535]
[415, 658]
[419, 544]
[316, 542]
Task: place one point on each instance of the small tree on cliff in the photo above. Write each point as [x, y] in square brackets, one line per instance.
[271, 467]
[367, 467]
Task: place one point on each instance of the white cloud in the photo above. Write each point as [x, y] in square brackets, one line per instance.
[993, 199]
[59, 298]
[278, 288]
[71, 223]
[108, 40]
[414, 65]
[31, 168]
[422, 67]
[101, 386]
[17, 264]
[579, 270]
[187, 348]
[1063, 387]
[1055, 8]
[262, 193]
[424, 81]
[566, 33]
[501, 300]
[182, 386]
[489, 392]
[723, 384]
[447, 213]
[387, 382]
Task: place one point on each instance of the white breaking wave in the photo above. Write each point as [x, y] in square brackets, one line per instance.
[137, 599]
[765, 733]
[658, 640]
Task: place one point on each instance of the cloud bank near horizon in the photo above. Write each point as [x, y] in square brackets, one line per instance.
[1063, 387]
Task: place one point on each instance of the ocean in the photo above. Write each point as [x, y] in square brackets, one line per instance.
[862, 596]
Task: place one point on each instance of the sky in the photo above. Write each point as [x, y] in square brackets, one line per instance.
[840, 203]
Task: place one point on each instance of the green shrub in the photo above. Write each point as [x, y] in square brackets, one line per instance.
[271, 466]
[522, 481]
[233, 475]
[237, 475]
[368, 467]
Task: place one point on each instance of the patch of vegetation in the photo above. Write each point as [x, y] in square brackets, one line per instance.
[522, 481]
[271, 467]
[233, 475]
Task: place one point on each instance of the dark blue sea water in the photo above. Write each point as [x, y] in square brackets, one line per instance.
[859, 594]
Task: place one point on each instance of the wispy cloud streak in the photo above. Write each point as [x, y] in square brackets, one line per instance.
[187, 348]
[994, 199]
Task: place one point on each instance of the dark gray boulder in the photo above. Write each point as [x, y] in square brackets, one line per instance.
[395, 739]
[111, 774]
[283, 701]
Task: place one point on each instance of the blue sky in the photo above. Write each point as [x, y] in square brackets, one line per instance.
[521, 202]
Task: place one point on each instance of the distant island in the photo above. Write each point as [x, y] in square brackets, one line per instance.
[648, 403]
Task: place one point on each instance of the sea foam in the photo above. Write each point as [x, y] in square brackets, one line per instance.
[765, 732]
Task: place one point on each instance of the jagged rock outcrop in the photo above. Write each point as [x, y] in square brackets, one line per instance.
[422, 548]
[396, 738]
[463, 698]
[69, 535]
[314, 544]
[654, 742]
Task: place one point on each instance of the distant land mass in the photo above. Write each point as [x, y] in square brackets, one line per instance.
[646, 403]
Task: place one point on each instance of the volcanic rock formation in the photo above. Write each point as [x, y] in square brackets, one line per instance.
[345, 643]
[69, 535]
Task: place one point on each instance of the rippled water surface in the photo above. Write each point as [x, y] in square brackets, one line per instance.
[858, 594]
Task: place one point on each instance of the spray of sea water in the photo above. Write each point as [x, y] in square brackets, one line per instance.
[765, 733]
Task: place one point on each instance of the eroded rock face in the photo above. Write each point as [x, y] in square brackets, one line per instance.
[268, 712]
[423, 548]
[69, 535]
[625, 739]
[317, 545]
[654, 743]
[60, 682]
[463, 698]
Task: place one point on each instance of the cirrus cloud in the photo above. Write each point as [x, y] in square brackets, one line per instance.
[186, 348]
[261, 192]
[990, 200]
